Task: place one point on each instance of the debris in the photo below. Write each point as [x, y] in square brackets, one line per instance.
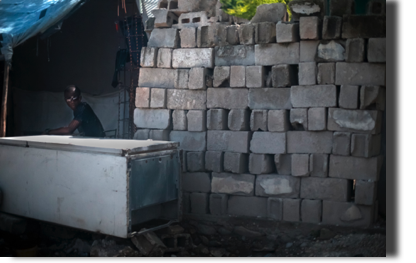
[217, 252]
[245, 232]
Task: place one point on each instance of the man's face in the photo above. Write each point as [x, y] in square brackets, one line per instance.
[71, 100]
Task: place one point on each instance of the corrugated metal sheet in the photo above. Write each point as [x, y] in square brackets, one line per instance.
[148, 5]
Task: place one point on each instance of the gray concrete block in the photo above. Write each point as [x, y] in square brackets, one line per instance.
[189, 141]
[199, 203]
[355, 50]
[188, 37]
[376, 50]
[238, 76]
[287, 32]
[363, 121]
[275, 208]
[142, 97]
[347, 214]
[309, 142]
[157, 78]
[309, 27]
[196, 182]
[158, 98]
[261, 163]
[231, 141]
[318, 165]
[357, 168]
[148, 57]
[372, 97]
[235, 162]
[218, 204]
[164, 58]
[299, 119]
[197, 120]
[273, 54]
[331, 51]
[313, 96]
[149, 25]
[222, 76]
[317, 119]
[193, 57]
[214, 161]
[235, 184]
[159, 135]
[255, 76]
[277, 120]
[180, 122]
[348, 97]
[283, 163]
[187, 99]
[365, 192]
[217, 119]
[258, 120]
[206, 36]
[167, 37]
[326, 189]
[284, 76]
[326, 73]
[141, 134]
[359, 26]
[341, 7]
[181, 79]
[273, 12]
[331, 27]
[153, 119]
[197, 78]
[193, 19]
[247, 206]
[232, 35]
[246, 33]
[269, 98]
[308, 50]
[239, 55]
[195, 162]
[268, 142]
[300, 165]
[341, 142]
[265, 33]
[239, 120]
[291, 209]
[365, 145]
[311, 211]
[227, 98]
[164, 18]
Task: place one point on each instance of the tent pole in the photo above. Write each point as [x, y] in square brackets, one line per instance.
[4, 100]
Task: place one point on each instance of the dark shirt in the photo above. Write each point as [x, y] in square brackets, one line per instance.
[90, 125]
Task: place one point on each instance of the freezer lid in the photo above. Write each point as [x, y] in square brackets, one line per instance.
[120, 147]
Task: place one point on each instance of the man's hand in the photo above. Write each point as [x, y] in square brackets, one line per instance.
[65, 130]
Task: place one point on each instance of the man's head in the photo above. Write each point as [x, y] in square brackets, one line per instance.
[72, 96]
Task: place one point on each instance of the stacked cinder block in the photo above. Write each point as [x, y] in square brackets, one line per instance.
[278, 120]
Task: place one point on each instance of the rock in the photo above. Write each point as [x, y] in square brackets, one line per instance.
[79, 247]
[269, 13]
[175, 229]
[351, 214]
[288, 245]
[246, 232]
[223, 231]
[326, 234]
[105, 248]
[204, 240]
[333, 51]
[206, 230]
[217, 252]
[128, 252]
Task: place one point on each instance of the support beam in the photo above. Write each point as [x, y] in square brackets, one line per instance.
[4, 100]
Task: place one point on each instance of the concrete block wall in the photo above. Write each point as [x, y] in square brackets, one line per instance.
[284, 126]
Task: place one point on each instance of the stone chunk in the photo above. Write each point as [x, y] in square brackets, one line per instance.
[167, 37]
[227, 98]
[365, 145]
[199, 203]
[299, 119]
[376, 51]
[357, 168]
[148, 57]
[287, 32]
[214, 161]
[142, 97]
[309, 27]
[284, 76]
[235, 184]
[182, 79]
[347, 214]
[354, 50]
[193, 57]
[318, 165]
[364, 121]
[283, 163]
[291, 209]
[206, 36]
[258, 120]
[217, 119]
[368, 26]
[187, 99]
[341, 7]
[265, 33]
[360, 74]
[153, 119]
[238, 77]
[246, 34]
[195, 162]
[341, 143]
[311, 211]
[260, 163]
[218, 204]
[239, 55]
[268, 142]
[269, 13]
[326, 73]
[365, 192]
[270, 98]
[197, 120]
[331, 28]
[273, 54]
[230, 141]
[158, 98]
[308, 50]
[189, 141]
[317, 119]
[188, 37]
[197, 78]
[255, 76]
[277, 121]
[222, 76]
[196, 182]
[275, 208]
[247, 206]
[307, 73]
[239, 120]
[164, 58]
[277, 185]
[348, 97]
[331, 51]
[157, 78]
[235, 162]
[301, 8]
[325, 189]
[309, 142]
[300, 164]
[180, 122]
[314, 96]
[372, 97]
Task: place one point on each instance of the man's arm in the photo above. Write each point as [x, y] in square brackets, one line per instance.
[65, 130]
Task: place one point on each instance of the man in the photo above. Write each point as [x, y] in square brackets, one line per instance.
[84, 120]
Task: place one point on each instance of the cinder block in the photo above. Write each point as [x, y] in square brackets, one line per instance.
[180, 122]
[365, 192]
[192, 18]
[270, 98]
[195, 162]
[275, 208]
[341, 143]
[357, 168]
[164, 58]
[164, 18]
[354, 50]
[348, 97]
[347, 214]
[359, 26]
[148, 57]
[186, 199]
[158, 98]
[199, 203]
[331, 51]
[287, 32]
[376, 51]
[284, 76]
[309, 142]
[255, 76]
[239, 120]
[268, 142]
[218, 204]
[308, 50]
[317, 119]
[189, 141]
[179, 99]
[197, 78]
[326, 73]
[365, 145]
[238, 77]
[258, 120]
[341, 7]
[331, 28]
[247, 206]
[376, 7]
[291, 209]
[318, 165]
[152, 118]
[235, 184]
[141, 134]
[188, 37]
[273, 54]
[283, 164]
[300, 164]
[231, 141]
[181, 79]
[307, 73]
[166, 37]
[197, 120]
[277, 120]
[372, 97]
[222, 76]
[362, 121]
[193, 57]
[235, 162]
[159, 135]
[232, 35]
[311, 211]
[326, 189]
[238, 55]
[313, 96]
[246, 33]
[227, 98]
[206, 36]
[309, 27]
[299, 119]
[265, 32]
[260, 163]
[277, 185]
[196, 182]
[157, 78]
[142, 97]
[217, 119]
[214, 161]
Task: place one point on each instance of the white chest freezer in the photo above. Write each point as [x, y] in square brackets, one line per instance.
[107, 186]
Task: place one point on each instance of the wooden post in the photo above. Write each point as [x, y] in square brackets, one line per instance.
[4, 100]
